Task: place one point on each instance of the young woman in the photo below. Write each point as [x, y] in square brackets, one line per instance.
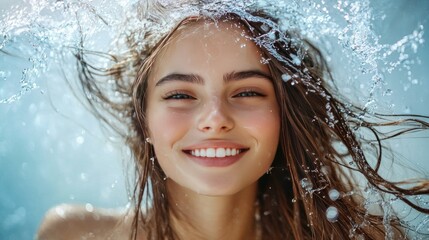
[236, 134]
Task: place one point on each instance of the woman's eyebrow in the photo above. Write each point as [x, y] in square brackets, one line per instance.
[194, 78]
[245, 74]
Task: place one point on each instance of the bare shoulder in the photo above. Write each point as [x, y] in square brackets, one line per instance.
[79, 222]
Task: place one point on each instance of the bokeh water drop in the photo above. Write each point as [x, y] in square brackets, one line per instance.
[332, 214]
[334, 194]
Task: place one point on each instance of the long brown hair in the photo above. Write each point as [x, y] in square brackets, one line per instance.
[294, 195]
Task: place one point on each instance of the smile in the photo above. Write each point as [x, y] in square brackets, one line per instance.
[215, 152]
[216, 156]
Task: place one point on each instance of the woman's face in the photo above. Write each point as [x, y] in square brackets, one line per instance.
[212, 112]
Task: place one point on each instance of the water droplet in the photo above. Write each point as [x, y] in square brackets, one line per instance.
[295, 59]
[80, 140]
[89, 207]
[306, 184]
[243, 45]
[334, 194]
[388, 92]
[83, 176]
[265, 27]
[265, 60]
[60, 211]
[332, 214]
[286, 77]
[272, 35]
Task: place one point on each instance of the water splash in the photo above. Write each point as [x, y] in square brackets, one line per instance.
[46, 30]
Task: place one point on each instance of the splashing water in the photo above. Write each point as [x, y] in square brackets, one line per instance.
[45, 31]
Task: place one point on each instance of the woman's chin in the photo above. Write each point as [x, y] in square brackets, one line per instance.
[213, 187]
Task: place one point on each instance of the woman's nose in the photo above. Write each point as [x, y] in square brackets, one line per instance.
[215, 117]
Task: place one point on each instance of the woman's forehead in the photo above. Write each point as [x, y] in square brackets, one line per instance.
[222, 45]
[209, 31]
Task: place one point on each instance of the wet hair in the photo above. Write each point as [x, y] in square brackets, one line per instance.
[320, 152]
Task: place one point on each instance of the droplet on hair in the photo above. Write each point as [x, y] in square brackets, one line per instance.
[265, 27]
[272, 35]
[286, 77]
[332, 214]
[306, 184]
[295, 59]
[334, 194]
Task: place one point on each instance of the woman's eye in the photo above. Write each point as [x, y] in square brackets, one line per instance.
[178, 96]
[249, 94]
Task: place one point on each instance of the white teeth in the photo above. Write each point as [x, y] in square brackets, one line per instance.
[211, 152]
[220, 152]
[228, 152]
[215, 152]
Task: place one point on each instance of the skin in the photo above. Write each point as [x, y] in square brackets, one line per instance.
[218, 202]
[75, 222]
[220, 109]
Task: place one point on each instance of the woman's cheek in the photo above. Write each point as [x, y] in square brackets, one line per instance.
[264, 126]
[168, 126]
[262, 121]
